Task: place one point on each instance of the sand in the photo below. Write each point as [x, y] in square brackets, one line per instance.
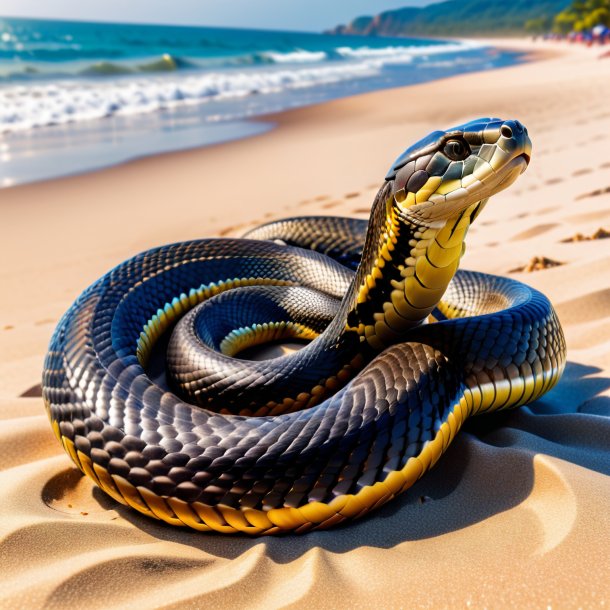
[514, 515]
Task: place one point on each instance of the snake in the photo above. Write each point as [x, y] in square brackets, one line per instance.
[154, 388]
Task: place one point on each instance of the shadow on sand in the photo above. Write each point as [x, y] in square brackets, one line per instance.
[473, 481]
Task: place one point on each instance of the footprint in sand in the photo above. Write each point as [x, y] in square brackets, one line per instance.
[331, 204]
[552, 181]
[588, 216]
[544, 211]
[34, 392]
[582, 172]
[533, 231]
[351, 195]
[226, 231]
[45, 321]
[595, 193]
[8, 327]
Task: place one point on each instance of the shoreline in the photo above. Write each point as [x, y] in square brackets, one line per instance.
[58, 202]
[514, 515]
[28, 157]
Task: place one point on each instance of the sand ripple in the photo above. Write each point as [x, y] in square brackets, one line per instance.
[514, 515]
[513, 491]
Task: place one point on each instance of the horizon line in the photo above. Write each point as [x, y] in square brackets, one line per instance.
[159, 24]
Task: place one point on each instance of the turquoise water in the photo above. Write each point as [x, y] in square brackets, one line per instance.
[35, 49]
[65, 86]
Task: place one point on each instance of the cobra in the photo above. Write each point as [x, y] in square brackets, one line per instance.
[144, 389]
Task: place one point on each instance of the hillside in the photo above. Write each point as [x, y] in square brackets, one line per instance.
[455, 18]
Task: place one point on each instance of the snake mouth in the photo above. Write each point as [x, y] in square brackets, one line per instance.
[523, 160]
[520, 163]
[524, 157]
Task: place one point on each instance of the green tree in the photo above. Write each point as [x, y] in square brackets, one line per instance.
[540, 25]
[564, 22]
[582, 15]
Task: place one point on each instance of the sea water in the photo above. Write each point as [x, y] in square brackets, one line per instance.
[76, 96]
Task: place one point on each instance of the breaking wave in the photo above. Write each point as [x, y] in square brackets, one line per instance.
[105, 88]
[22, 108]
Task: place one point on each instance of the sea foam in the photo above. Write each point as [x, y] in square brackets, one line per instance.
[23, 107]
[105, 89]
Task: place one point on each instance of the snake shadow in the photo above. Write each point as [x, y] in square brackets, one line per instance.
[487, 470]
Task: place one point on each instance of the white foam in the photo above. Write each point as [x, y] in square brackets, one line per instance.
[406, 54]
[295, 57]
[37, 104]
[23, 107]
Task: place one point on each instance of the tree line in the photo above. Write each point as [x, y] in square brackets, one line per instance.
[580, 16]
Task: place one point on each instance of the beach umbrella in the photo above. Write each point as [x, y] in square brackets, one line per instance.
[599, 30]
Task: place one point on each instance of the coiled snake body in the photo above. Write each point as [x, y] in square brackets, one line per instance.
[402, 350]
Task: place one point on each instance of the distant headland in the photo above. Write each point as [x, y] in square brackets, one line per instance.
[455, 18]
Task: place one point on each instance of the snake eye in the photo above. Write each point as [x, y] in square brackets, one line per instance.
[456, 149]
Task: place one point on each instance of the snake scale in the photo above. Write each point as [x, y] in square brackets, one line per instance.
[145, 393]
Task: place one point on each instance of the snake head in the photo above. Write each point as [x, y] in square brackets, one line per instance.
[448, 171]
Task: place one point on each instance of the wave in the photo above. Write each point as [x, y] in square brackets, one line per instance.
[393, 54]
[108, 88]
[389, 54]
[22, 108]
[48, 71]
[171, 63]
[294, 57]
[165, 63]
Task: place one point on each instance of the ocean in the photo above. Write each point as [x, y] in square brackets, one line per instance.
[77, 96]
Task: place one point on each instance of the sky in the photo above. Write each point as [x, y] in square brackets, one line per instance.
[313, 15]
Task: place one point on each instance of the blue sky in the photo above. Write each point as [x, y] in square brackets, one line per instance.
[274, 14]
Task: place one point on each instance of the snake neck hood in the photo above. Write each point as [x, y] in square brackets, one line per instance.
[420, 217]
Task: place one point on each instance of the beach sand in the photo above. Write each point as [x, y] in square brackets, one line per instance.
[514, 515]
